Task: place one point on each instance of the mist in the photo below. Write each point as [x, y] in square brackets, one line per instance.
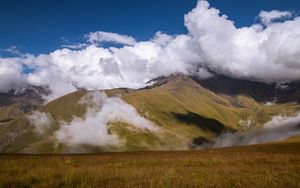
[94, 127]
[279, 128]
[41, 121]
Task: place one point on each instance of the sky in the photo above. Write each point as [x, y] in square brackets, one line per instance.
[66, 45]
[35, 26]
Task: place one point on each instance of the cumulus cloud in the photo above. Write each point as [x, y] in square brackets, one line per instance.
[94, 128]
[268, 51]
[41, 121]
[162, 38]
[267, 54]
[101, 36]
[279, 128]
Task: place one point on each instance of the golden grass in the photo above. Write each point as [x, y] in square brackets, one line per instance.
[67, 106]
[269, 165]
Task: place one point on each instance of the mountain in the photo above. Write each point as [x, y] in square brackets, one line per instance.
[184, 113]
[14, 105]
[261, 92]
[20, 101]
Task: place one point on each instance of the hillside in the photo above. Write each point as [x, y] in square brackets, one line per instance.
[179, 113]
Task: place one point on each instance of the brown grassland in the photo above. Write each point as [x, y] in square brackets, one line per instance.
[266, 165]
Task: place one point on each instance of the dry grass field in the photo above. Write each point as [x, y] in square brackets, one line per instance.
[267, 165]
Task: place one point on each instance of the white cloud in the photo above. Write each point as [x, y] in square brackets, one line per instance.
[203, 73]
[268, 53]
[13, 50]
[75, 46]
[162, 38]
[101, 36]
[10, 74]
[93, 129]
[267, 17]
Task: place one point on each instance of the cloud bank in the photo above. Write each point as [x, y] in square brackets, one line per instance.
[94, 128]
[267, 51]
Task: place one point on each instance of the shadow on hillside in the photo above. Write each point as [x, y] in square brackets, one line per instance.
[259, 91]
[6, 120]
[205, 124]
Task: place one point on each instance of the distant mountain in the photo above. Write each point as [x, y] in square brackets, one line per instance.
[20, 101]
[30, 95]
[187, 111]
[289, 92]
[259, 91]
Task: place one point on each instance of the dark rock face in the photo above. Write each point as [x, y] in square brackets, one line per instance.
[28, 98]
[289, 93]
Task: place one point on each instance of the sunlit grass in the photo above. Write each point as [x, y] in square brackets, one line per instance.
[269, 165]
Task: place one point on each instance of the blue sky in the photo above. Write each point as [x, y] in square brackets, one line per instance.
[42, 26]
[266, 49]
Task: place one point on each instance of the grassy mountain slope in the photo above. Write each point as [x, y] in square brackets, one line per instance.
[187, 113]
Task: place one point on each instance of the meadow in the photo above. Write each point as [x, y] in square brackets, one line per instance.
[266, 165]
